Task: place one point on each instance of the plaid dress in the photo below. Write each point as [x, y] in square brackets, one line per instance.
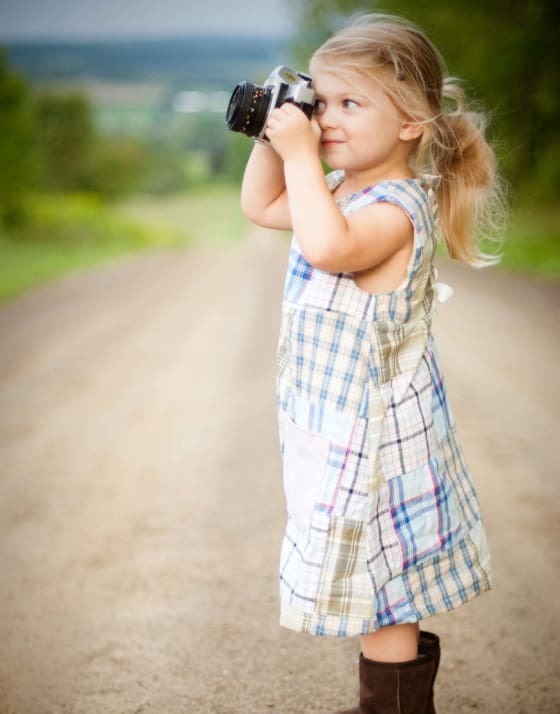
[383, 523]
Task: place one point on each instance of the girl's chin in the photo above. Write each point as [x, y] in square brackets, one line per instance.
[331, 162]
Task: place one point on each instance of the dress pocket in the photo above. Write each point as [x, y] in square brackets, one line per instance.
[424, 513]
[414, 519]
[305, 461]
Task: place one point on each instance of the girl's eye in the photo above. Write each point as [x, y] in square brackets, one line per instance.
[319, 107]
[350, 104]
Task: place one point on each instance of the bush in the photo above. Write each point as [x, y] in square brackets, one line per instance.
[18, 165]
[65, 232]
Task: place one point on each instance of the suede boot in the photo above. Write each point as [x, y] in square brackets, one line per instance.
[429, 645]
[396, 688]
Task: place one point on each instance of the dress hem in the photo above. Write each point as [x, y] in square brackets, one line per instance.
[320, 625]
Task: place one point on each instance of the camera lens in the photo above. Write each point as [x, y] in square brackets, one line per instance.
[247, 108]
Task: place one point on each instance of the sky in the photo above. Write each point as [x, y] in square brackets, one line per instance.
[93, 19]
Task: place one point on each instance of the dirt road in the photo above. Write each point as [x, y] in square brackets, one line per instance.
[141, 507]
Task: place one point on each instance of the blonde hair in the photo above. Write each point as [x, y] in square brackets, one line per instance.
[453, 146]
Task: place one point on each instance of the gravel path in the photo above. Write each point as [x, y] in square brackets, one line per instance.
[141, 508]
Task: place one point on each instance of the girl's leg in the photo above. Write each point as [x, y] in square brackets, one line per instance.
[395, 643]
[397, 671]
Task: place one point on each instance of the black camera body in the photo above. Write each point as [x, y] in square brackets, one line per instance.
[250, 104]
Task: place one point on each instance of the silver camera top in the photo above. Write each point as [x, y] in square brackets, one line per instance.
[299, 89]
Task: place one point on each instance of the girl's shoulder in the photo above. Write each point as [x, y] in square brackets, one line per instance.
[415, 196]
[423, 185]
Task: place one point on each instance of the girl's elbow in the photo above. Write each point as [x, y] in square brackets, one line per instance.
[268, 216]
[323, 258]
[251, 211]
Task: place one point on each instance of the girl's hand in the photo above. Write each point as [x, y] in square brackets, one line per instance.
[291, 133]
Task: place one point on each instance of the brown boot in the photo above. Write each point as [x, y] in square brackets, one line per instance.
[429, 645]
[395, 688]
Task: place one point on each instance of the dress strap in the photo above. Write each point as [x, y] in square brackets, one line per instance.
[429, 182]
[334, 179]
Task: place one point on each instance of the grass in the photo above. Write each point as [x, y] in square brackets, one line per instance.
[532, 242]
[205, 216]
[66, 233]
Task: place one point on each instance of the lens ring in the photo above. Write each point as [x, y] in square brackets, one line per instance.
[247, 109]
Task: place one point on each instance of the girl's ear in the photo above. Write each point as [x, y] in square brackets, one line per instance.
[410, 130]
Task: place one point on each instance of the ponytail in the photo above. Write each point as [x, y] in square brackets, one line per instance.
[469, 196]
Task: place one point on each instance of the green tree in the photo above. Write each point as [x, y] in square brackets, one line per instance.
[75, 157]
[235, 158]
[18, 167]
[506, 51]
[119, 166]
[66, 141]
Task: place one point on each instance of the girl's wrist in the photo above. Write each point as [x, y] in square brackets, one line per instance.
[264, 145]
[303, 160]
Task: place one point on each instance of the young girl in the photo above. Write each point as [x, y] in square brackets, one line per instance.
[384, 527]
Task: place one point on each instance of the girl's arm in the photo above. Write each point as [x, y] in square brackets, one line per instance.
[263, 193]
[329, 240]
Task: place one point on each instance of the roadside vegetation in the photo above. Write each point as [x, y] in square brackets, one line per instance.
[62, 233]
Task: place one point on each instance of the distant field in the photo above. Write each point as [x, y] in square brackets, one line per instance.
[196, 62]
[128, 108]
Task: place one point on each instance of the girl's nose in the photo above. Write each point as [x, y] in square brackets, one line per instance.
[326, 119]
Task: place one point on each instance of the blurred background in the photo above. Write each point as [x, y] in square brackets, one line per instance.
[141, 505]
[112, 118]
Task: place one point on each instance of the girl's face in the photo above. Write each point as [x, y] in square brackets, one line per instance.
[362, 131]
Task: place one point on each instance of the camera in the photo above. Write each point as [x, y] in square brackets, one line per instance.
[251, 104]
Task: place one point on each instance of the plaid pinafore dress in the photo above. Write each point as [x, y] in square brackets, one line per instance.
[383, 523]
